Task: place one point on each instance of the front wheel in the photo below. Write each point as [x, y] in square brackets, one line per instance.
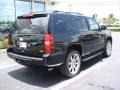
[71, 66]
[108, 49]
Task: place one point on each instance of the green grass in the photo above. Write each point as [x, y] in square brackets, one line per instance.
[115, 29]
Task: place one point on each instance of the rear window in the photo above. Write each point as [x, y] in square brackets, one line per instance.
[31, 25]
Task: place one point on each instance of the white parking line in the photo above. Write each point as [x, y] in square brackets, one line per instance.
[7, 66]
[82, 74]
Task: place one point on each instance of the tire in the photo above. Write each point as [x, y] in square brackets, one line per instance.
[72, 64]
[107, 49]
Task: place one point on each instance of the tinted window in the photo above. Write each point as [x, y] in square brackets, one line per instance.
[93, 24]
[80, 24]
[62, 23]
[33, 26]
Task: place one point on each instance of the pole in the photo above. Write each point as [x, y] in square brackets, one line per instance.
[70, 7]
[32, 6]
[15, 9]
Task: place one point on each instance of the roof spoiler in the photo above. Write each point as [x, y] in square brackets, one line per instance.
[30, 16]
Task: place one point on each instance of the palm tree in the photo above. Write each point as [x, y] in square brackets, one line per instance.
[111, 19]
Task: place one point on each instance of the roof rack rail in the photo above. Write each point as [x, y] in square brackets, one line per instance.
[67, 12]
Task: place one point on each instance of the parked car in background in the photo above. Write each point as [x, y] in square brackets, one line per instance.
[58, 40]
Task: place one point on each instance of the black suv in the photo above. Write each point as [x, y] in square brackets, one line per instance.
[58, 39]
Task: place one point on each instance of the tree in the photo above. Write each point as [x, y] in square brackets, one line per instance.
[109, 20]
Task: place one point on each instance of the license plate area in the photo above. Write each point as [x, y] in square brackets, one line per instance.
[22, 45]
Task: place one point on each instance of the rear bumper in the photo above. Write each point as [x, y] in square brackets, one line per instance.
[16, 56]
[49, 60]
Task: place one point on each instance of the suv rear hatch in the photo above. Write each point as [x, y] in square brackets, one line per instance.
[28, 39]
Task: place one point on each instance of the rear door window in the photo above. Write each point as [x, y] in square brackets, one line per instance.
[80, 24]
[62, 24]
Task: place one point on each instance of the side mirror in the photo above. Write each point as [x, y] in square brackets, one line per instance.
[103, 27]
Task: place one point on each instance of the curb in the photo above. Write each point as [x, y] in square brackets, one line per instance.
[3, 51]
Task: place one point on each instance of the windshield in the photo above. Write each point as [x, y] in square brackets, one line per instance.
[32, 26]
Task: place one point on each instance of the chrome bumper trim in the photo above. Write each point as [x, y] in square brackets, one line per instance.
[54, 65]
[46, 55]
[16, 56]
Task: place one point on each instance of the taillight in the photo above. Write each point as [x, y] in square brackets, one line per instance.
[9, 39]
[49, 43]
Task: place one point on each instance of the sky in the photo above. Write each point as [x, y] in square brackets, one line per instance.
[89, 7]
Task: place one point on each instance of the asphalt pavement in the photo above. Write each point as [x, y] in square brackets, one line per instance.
[96, 74]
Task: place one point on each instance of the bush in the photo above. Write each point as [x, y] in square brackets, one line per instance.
[3, 44]
[115, 30]
[113, 25]
[0, 44]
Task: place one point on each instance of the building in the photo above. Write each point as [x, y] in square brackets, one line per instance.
[10, 9]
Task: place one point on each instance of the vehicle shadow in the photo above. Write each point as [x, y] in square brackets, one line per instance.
[87, 64]
[45, 79]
